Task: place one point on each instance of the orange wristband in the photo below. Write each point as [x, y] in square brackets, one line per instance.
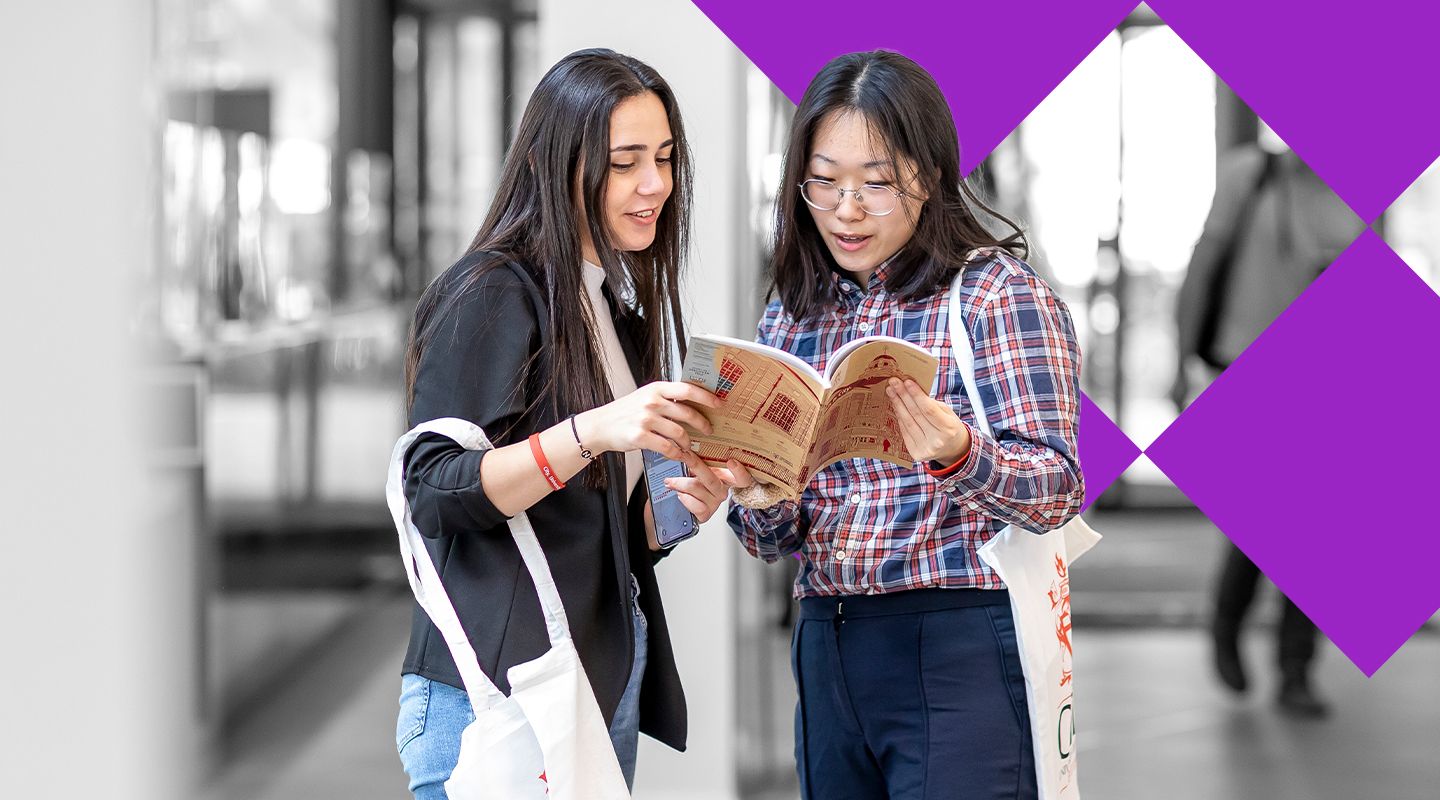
[543, 463]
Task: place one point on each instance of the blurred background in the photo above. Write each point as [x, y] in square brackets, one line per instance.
[310, 165]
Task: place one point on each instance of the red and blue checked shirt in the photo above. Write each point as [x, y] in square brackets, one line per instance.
[865, 526]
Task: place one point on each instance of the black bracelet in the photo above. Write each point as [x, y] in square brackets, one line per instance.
[585, 452]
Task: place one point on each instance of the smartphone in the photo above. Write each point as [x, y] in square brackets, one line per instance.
[673, 521]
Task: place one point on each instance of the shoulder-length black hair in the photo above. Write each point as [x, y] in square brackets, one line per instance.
[907, 114]
[564, 140]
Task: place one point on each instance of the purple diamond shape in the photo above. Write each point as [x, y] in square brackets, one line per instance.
[1339, 84]
[994, 61]
[1105, 450]
[1315, 452]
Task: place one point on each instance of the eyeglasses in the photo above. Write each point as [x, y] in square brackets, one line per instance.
[874, 199]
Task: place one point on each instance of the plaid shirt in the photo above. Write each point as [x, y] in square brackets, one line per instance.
[865, 526]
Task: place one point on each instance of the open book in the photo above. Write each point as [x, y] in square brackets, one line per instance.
[784, 421]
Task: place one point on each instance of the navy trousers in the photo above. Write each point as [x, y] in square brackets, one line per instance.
[909, 696]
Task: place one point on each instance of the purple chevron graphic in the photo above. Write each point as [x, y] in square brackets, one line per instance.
[994, 61]
[1315, 452]
[1105, 450]
[1345, 98]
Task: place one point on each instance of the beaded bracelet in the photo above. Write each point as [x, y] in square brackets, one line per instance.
[585, 452]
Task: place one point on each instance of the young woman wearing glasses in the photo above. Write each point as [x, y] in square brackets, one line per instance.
[905, 655]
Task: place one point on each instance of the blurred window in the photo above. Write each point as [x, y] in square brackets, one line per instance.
[252, 103]
[463, 75]
[1113, 175]
[1411, 226]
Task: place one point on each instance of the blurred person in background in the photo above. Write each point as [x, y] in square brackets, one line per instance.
[566, 302]
[1273, 228]
[905, 654]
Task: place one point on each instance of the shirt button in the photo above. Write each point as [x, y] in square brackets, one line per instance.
[855, 498]
[840, 555]
[864, 327]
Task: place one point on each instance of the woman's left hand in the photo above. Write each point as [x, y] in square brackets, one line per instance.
[931, 429]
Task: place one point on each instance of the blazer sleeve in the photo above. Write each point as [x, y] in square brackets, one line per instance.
[475, 366]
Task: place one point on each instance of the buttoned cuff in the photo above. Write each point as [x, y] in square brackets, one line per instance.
[975, 473]
[945, 472]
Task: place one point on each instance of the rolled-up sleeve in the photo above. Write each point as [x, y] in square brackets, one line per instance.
[1027, 370]
[474, 366]
[771, 533]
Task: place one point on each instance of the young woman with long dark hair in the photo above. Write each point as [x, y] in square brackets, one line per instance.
[905, 653]
[566, 301]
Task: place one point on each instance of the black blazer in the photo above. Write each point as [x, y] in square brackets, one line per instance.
[478, 367]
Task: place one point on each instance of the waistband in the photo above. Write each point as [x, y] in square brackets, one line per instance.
[913, 601]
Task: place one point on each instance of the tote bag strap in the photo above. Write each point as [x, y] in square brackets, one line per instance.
[470, 436]
[425, 579]
[963, 351]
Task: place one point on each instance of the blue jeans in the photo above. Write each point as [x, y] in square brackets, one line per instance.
[433, 715]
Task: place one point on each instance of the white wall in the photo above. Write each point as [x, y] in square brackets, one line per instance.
[707, 73]
[95, 698]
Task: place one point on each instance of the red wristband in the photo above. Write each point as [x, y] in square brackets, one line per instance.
[543, 463]
[944, 472]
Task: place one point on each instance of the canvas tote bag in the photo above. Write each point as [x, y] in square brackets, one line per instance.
[1036, 570]
[548, 738]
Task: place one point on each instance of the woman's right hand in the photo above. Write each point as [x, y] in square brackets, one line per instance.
[649, 417]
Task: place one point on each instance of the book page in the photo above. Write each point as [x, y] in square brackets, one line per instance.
[857, 420]
[770, 407]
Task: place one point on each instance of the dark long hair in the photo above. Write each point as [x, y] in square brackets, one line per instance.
[564, 138]
[904, 109]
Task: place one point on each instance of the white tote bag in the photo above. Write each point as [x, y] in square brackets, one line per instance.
[548, 738]
[1036, 570]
